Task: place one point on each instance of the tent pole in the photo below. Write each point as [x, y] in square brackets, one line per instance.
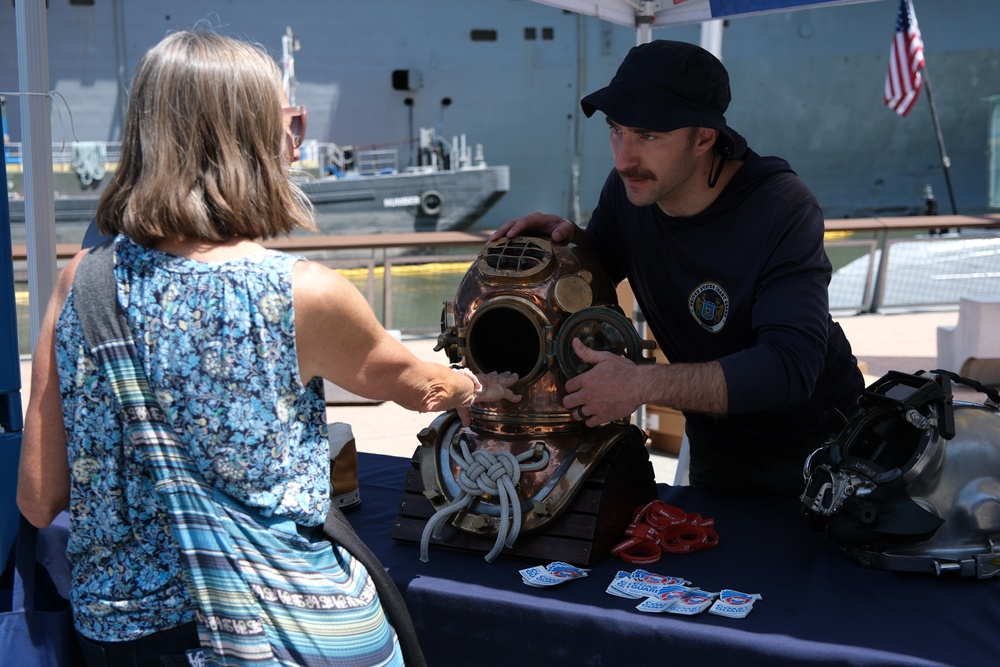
[36, 142]
[711, 37]
[644, 18]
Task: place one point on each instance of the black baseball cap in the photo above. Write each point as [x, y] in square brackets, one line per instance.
[665, 85]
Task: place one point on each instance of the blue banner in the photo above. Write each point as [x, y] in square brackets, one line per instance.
[724, 8]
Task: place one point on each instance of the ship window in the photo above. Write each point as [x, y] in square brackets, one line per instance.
[484, 35]
[530, 34]
[88, 3]
[548, 33]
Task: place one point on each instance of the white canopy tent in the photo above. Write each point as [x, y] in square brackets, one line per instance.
[648, 14]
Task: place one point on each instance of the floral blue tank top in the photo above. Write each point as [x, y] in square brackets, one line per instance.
[217, 341]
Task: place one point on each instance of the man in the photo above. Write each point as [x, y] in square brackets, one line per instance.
[724, 251]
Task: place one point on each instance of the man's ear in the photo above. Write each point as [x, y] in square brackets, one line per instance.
[705, 138]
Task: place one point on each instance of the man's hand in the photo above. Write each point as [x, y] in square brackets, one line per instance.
[615, 387]
[606, 392]
[556, 228]
[496, 387]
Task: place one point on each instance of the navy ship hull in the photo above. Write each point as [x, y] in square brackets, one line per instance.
[407, 202]
[807, 86]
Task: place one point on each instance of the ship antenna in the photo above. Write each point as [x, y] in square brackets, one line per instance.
[289, 45]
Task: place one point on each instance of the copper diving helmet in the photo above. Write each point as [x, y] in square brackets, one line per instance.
[518, 465]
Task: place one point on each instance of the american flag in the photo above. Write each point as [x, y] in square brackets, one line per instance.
[906, 59]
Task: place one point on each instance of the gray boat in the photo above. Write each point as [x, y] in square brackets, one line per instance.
[437, 186]
[438, 197]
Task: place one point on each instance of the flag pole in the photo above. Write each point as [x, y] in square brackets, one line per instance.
[945, 160]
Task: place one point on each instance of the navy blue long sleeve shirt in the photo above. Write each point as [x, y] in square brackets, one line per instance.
[744, 283]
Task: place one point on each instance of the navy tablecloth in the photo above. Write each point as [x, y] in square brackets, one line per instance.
[818, 606]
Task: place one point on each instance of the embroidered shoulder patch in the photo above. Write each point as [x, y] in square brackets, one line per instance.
[709, 306]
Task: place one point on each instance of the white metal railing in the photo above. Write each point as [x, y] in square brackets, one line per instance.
[376, 161]
[892, 274]
[909, 273]
[855, 296]
[330, 158]
[62, 152]
[901, 272]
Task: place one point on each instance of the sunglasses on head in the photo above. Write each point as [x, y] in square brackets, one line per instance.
[296, 123]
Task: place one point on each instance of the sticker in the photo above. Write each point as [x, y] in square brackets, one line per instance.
[734, 604]
[692, 603]
[640, 584]
[665, 598]
[552, 574]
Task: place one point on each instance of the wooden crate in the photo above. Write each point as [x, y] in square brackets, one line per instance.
[665, 427]
[593, 522]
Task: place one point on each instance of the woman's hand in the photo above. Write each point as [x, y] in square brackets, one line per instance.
[496, 387]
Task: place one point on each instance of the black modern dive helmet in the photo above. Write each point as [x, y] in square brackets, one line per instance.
[912, 482]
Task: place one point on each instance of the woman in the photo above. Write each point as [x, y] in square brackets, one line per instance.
[235, 340]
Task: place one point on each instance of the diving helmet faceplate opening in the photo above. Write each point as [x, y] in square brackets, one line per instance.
[507, 334]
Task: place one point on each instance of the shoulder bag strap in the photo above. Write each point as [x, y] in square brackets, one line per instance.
[108, 335]
[189, 502]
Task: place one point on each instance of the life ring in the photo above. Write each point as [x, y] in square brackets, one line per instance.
[431, 203]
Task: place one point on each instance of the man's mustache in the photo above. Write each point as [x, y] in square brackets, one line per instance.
[636, 174]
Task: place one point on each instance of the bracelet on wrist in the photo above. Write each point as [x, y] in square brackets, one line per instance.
[477, 386]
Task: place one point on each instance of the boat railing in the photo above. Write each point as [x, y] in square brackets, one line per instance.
[64, 152]
[314, 155]
[376, 161]
[327, 158]
[321, 157]
[407, 277]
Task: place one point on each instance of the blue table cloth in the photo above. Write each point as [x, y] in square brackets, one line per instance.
[818, 606]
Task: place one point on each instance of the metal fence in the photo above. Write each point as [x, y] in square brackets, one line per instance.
[917, 272]
[895, 266]
[877, 274]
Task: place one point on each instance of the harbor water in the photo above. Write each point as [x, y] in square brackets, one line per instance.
[921, 271]
[418, 293]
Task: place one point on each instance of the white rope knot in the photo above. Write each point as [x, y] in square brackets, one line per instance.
[88, 160]
[489, 474]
